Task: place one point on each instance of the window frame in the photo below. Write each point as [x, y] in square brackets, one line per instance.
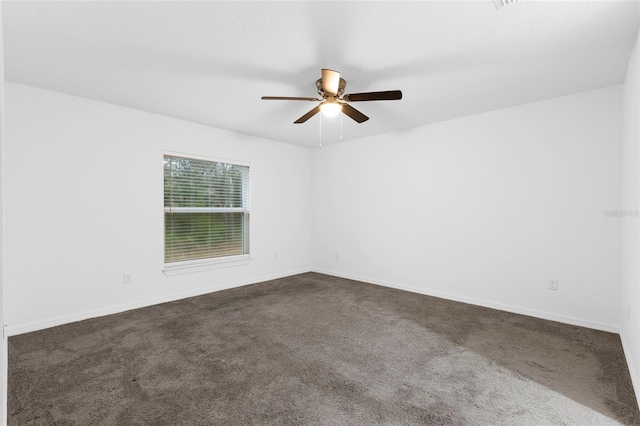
[195, 265]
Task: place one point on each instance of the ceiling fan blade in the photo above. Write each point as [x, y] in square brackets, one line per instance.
[287, 98]
[308, 115]
[389, 95]
[330, 81]
[354, 113]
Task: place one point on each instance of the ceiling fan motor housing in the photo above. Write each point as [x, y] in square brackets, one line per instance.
[341, 87]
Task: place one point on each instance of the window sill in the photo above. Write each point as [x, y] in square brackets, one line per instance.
[191, 266]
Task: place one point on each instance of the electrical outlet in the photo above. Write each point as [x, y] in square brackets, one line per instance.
[128, 277]
[553, 284]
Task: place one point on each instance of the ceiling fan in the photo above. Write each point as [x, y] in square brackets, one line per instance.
[333, 100]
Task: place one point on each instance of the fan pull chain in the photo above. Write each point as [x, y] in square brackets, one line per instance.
[340, 126]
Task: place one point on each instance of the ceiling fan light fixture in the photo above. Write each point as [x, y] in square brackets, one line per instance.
[333, 100]
[330, 109]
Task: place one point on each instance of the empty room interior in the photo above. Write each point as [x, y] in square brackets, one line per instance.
[320, 212]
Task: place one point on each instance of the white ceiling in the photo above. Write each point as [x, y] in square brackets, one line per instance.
[210, 62]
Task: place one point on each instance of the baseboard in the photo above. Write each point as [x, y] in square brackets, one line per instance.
[13, 330]
[115, 309]
[635, 379]
[478, 302]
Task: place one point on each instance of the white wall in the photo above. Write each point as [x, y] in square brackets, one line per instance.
[630, 306]
[483, 209]
[84, 204]
[3, 340]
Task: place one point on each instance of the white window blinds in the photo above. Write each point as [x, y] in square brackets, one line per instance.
[206, 209]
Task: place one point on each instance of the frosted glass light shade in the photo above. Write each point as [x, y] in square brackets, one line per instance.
[331, 109]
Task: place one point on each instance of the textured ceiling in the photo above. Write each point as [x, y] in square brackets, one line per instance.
[210, 62]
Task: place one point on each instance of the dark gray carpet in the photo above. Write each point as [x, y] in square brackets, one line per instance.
[314, 349]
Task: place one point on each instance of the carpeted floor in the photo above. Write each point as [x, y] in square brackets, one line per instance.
[314, 349]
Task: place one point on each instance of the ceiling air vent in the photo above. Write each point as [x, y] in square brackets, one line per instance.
[504, 3]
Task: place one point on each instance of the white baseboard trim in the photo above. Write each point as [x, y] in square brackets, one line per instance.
[635, 379]
[14, 330]
[478, 302]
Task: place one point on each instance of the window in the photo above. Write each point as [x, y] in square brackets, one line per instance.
[206, 210]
